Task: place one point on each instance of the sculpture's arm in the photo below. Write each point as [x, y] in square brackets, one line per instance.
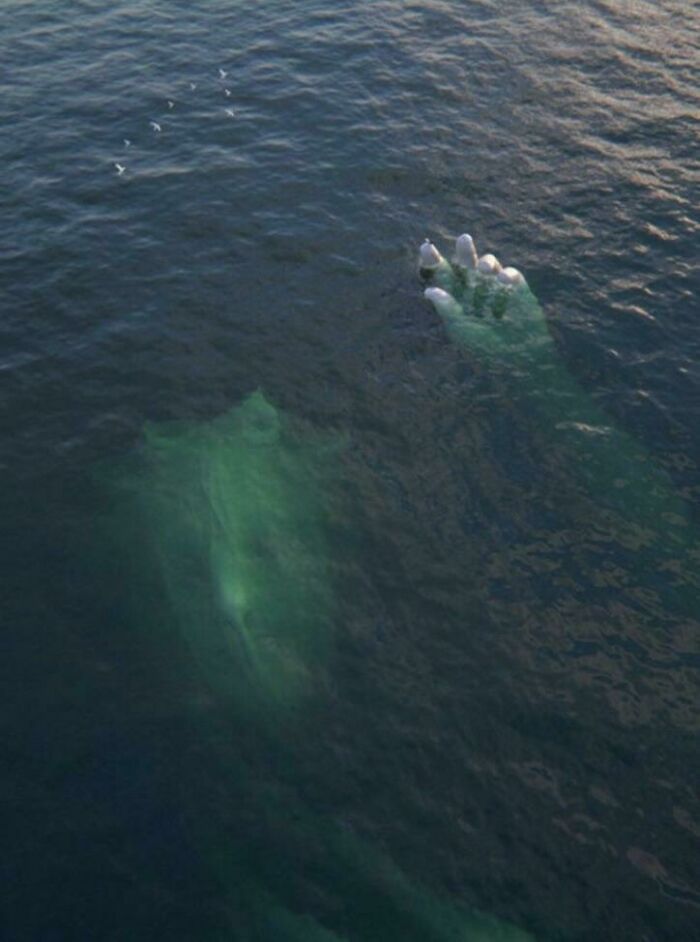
[491, 312]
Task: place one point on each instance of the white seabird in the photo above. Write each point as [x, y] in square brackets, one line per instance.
[127, 142]
[222, 74]
[120, 169]
[156, 127]
[230, 112]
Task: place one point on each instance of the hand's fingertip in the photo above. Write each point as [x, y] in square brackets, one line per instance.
[465, 252]
[511, 277]
[488, 264]
[429, 257]
[442, 300]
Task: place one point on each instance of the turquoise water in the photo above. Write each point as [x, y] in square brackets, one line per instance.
[487, 723]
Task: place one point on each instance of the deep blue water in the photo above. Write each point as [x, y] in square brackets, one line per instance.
[509, 714]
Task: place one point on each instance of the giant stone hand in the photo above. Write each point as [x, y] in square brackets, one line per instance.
[491, 313]
[486, 308]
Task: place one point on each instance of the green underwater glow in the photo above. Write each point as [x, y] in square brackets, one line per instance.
[232, 512]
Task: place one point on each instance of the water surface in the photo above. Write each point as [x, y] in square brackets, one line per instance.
[508, 709]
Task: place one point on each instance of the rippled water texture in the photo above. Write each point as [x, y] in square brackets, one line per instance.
[499, 730]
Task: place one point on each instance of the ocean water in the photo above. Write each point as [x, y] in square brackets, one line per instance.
[370, 655]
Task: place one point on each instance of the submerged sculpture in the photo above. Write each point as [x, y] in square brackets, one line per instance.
[233, 515]
[492, 312]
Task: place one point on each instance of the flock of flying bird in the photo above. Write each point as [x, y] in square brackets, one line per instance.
[157, 128]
